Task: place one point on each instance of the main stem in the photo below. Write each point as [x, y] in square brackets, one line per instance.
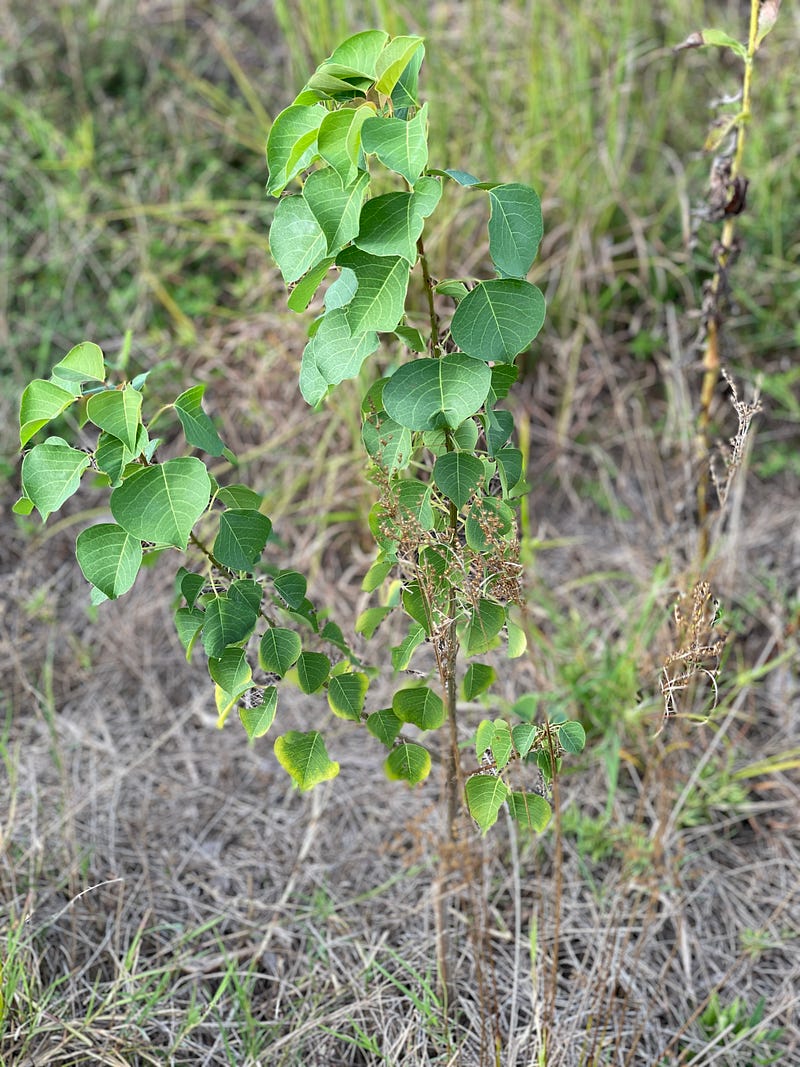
[711, 355]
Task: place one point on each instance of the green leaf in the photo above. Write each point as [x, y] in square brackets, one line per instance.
[296, 239]
[502, 745]
[420, 706]
[376, 575]
[358, 54]
[339, 139]
[485, 623]
[500, 425]
[452, 287]
[198, 429]
[400, 146]
[51, 473]
[379, 300]
[188, 623]
[112, 457]
[517, 640]
[572, 737]
[292, 144]
[462, 177]
[243, 533]
[464, 438]
[478, 678]
[720, 39]
[109, 558]
[402, 653]
[23, 506]
[346, 695]
[41, 401]
[387, 442]
[248, 592]
[498, 319]
[162, 503]
[430, 394]
[305, 758]
[258, 720]
[279, 650]
[83, 363]
[515, 228]
[227, 622]
[523, 736]
[239, 496]
[391, 224]
[231, 671]
[509, 467]
[313, 669]
[488, 520]
[530, 810]
[408, 762]
[393, 60]
[405, 93]
[411, 338]
[336, 353]
[384, 725]
[458, 475]
[336, 208]
[483, 736]
[190, 585]
[370, 619]
[118, 412]
[291, 586]
[414, 502]
[485, 796]
[303, 293]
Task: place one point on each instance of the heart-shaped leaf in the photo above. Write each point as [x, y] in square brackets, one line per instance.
[109, 557]
[430, 394]
[515, 228]
[163, 502]
[498, 319]
[304, 757]
[51, 473]
[458, 475]
[118, 412]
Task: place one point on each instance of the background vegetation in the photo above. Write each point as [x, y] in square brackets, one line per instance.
[237, 922]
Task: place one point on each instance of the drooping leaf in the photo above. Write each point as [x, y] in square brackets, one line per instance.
[498, 319]
[458, 475]
[370, 619]
[485, 796]
[401, 146]
[530, 810]
[259, 719]
[346, 695]
[420, 706]
[523, 736]
[379, 300]
[292, 144]
[188, 624]
[408, 762]
[162, 503]
[118, 412]
[190, 585]
[279, 650]
[313, 669]
[112, 457]
[305, 758]
[242, 535]
[303, 293]
[51, 473]
[502, 745]
[227, 622]
[198, 429]
[41, 401]
[296, 239]
[430, 394]
[515, 228]
[509, 467]
[109, 557]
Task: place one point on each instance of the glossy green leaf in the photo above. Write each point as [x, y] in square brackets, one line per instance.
[259, 719]
[51, 473]
[530, 810]
[278, 650]
[109, 558]
[336, 208]
[83, 363]
[41, 401]
[572, 737]
[458, 475]
[292, 144]
[498, 319]
[408, 762]
[339, 139]
[485, 796]
[393, 60]
[296, 239]
[384, 725]
[118, 412]
[163, 502]
[478, 678]
[379, 300]
[430, 394]
[291, 587]
[112, 457]
[515, 228]
[227, 622]
[242, 535]
[305, 758]
[313, 669]
[401, 146]
[420, 706]
[198, 429]
[485, 623]
[190, 585]
[346, 695]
